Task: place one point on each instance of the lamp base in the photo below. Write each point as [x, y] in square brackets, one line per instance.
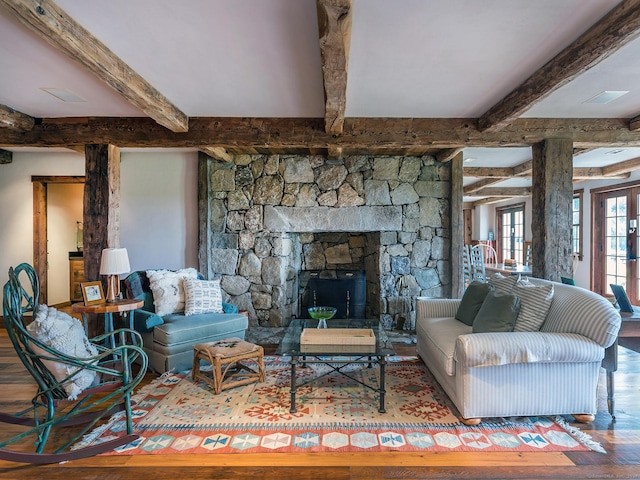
[113, 288]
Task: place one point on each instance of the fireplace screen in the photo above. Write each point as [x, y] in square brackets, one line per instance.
[347, 293]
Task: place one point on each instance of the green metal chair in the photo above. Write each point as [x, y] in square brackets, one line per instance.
[50, 407]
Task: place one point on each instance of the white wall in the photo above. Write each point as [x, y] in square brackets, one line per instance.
[158, 209]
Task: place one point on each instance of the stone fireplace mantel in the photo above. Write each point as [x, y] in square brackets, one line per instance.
[327, 219]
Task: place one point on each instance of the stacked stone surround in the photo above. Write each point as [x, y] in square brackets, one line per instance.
[273, 217]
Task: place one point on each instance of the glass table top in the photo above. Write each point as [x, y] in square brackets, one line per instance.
[290, 344]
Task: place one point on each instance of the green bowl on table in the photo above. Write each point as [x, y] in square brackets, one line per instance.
[322, 313]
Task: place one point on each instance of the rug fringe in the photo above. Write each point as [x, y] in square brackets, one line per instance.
[91, 437]
[583, 437]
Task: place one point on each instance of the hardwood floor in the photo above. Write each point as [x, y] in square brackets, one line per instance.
[621, 440]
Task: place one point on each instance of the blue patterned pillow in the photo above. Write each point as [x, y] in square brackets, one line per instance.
[202, 296]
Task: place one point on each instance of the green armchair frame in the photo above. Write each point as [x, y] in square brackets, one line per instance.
[50, 407]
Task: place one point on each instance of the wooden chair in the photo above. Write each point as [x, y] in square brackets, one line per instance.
[50, 407]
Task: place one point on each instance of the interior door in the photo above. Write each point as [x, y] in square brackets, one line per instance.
[617, 261]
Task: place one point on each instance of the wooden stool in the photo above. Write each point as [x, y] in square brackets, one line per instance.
[223, 355]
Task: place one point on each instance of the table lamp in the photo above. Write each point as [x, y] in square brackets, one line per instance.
[115, 261]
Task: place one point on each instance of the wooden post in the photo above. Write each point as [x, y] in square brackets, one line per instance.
[552, 195]
[204, 214]
[457, 226]
[101, 209]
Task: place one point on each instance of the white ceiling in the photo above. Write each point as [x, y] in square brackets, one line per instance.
[261, 58]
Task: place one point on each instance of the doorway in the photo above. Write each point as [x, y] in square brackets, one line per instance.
[511, 233]
[40, 230]
[615, 246]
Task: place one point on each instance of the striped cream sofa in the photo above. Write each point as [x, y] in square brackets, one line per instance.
[553, 371]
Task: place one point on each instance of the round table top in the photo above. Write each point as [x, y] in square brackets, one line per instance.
[118, 305]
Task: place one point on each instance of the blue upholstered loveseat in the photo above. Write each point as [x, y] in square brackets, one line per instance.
[169, 339]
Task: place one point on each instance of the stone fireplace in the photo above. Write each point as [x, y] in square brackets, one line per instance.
[269, 221]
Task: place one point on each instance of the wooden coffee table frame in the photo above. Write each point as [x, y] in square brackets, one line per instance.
[337, 366]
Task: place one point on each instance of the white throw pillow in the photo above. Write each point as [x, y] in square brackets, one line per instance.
[167, 289]
[202, 296]
[64, 333]
[535, 302]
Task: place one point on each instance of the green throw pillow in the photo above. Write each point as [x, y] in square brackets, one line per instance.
[498, 313]
[471, 301]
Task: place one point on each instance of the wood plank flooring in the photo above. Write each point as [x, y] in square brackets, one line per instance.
[621, 440]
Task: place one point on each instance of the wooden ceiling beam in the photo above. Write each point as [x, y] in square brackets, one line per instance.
[15, 120]
[447, 154]
[596, 173]
[61, 31]
[360, 136]
[219, 153]
[616, 29]
[622, 167]
[334, 27]
[480, 185]
[487, 201]
[504, 192]
[488, 172]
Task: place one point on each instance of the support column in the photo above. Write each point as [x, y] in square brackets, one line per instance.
[204, 215]
[101, 209]
[457, 226]
[552, 195]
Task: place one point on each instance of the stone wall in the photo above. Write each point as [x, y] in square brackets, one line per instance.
[268, 216]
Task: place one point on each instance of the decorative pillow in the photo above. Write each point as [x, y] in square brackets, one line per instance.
[471, 301]
[64, 333]
[503, 284]
[535, 302]
[167, 289]
[202, 296]
[498, 313]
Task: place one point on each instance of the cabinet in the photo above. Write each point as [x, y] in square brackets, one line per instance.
[76, 276]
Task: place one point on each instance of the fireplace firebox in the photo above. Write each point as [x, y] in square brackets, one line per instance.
[347, 293]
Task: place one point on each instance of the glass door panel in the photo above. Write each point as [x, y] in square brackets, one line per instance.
[615, 267]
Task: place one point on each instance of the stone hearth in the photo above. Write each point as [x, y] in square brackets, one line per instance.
[265, 220]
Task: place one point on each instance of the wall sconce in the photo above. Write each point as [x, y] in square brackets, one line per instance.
[114, 262]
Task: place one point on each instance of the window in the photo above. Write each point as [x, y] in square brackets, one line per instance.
[511, 232]
[576, 228]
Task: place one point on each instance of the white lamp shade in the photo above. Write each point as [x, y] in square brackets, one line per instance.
[115, 261]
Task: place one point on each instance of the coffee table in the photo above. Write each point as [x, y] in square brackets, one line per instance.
[337, 357]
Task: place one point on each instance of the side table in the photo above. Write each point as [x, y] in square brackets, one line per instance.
[108, 309]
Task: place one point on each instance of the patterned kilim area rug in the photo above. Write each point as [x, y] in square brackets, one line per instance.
[335, 413]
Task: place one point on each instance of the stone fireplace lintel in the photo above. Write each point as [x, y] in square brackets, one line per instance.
[326, 219]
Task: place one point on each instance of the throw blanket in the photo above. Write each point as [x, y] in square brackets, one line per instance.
[62, 332]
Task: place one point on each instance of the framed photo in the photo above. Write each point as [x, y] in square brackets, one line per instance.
[92, 293]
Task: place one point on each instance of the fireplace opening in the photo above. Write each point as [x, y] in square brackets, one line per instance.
[347, 292]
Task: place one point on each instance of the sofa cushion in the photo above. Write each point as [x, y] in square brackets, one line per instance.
[202, 296]
[178, 329]
[168, 292]
[439, 335]
[471, 301]
[503, 284]
[498, 313]
[535, 301]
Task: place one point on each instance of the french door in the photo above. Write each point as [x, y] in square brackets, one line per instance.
[616, 252]
[511, 233]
